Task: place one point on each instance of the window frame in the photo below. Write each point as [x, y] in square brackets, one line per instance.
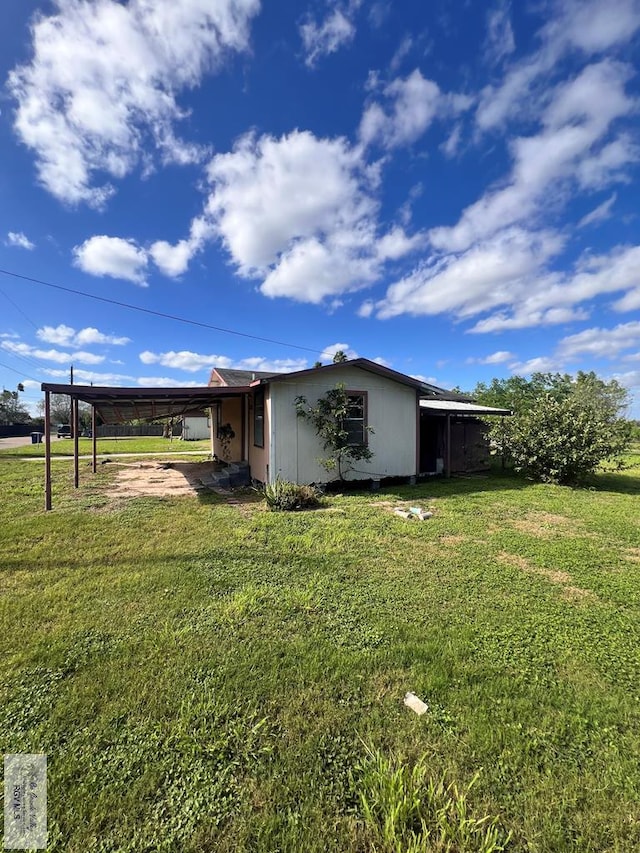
[258, 395]
[365, 417]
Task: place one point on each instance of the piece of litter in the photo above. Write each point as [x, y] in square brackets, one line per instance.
[413, 512]
[416, 704]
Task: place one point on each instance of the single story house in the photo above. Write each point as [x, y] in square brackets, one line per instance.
[417, 428]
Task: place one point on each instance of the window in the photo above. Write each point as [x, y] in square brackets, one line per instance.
[355, 424]
[258, 418]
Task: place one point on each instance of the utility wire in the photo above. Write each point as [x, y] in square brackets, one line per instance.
[18, 309]
[19, 372]
[156, 313]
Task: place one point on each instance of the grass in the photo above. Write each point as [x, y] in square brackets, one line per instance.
[111, 446]
[210, 676]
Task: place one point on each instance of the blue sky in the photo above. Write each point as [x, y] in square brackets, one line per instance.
[448, 187]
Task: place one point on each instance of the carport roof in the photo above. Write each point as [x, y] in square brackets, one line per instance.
[117, 405]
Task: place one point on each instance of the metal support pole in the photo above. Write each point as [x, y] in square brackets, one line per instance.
[448, 472]
[76, 463]
[47, 451]
[93, 438]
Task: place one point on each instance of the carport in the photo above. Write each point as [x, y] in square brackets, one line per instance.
[119, 405]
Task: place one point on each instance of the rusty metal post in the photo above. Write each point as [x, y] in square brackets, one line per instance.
[93, 438]
[76, 463]
[47, 451]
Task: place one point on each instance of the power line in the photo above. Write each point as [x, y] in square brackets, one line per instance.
[157, 313]
[19, 372]
[18, 309]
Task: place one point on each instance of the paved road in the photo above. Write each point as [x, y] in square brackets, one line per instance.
[20, 441]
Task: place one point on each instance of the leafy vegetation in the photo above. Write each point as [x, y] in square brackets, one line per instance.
[287, 497]
[12, 410]
[406, 809]
[203, 674]
[330, 417]
[563, 427]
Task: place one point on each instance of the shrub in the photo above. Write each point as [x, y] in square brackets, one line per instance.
[562, 441]
[283, 496]
[330, 417]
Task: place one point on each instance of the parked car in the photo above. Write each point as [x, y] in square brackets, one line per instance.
[64, 431]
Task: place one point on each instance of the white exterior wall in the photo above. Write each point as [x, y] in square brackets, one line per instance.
[195, 428]
[391, 411]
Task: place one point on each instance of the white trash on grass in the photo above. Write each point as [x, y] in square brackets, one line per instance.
[416, 704]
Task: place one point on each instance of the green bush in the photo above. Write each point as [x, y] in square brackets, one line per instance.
[283, 496]
[562, 441]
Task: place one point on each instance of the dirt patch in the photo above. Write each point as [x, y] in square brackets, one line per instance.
[545, 525]
[514, 560]
[160, 479]
[632, 554]
[576, 594]
[452, 539]
[569, 592]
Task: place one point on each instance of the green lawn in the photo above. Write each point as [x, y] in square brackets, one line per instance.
[64, 447]
[209, 676]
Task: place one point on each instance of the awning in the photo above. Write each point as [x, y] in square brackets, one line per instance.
[118, 405]
[450, 407]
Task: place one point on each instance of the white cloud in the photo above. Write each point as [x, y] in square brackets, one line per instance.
[499, 42]
[489, 274]
[540, 364]
[587, 26]
[599, 213]
[112, 256]
[173, 260]
[499, 357]
[428, 380]
[300, 213]
[601, 343]
[103, 80]
[565, 150]
[328, 353]
[629, 302]
[184, 360]
[19, 240]
[193, 362]
[67, 336]
[524, 318]
[80, 375]
[413, 104]
[336, 31]
[22, 349]
[166, 382]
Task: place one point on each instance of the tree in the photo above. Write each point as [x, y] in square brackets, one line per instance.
[12, 411]
[564, 427]
[331, 416]
[60, 410]
[339, 357]
[518, 393]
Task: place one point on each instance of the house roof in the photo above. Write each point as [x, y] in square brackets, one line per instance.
[453, 407]
[118, 405]
[423, 388]
[236, 378]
